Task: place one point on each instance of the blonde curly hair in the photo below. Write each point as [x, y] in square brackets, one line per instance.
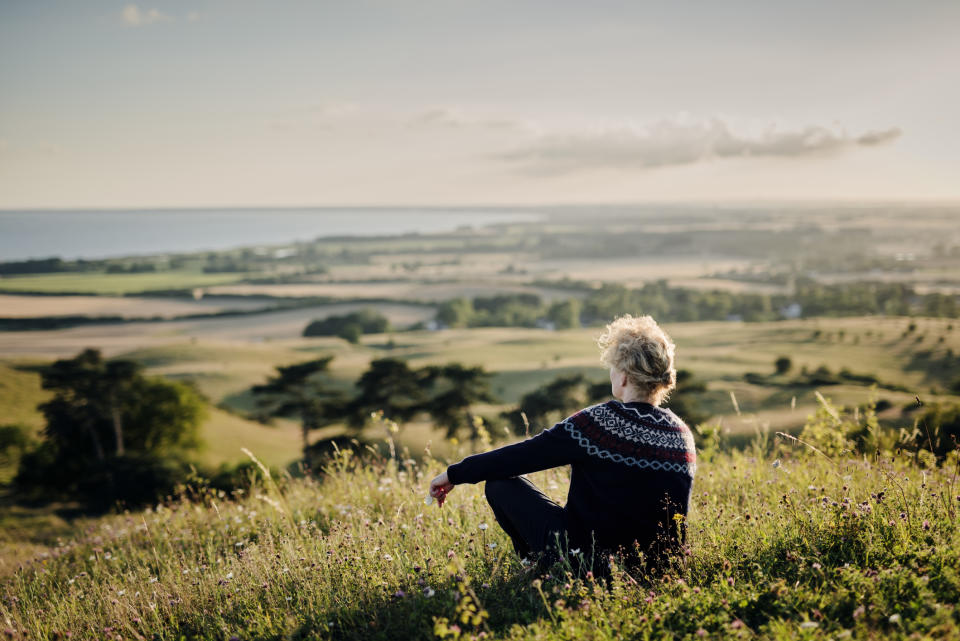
[639, 348]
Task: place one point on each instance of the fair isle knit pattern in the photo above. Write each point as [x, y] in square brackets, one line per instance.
[648, 438]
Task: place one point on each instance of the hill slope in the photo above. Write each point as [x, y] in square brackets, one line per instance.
[808, 549]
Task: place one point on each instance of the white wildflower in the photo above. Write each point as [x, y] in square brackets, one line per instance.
[575, 551]
[387, 557]
[491, 545]
[776, 464]
[229, 576]
[428, 592]
[808, 625]
[121, 592]
[482, 526]
[153, 579]
[894, 618]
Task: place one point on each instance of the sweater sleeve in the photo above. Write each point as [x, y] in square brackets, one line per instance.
[550, 448]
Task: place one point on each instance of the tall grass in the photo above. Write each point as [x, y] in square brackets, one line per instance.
[782, 543]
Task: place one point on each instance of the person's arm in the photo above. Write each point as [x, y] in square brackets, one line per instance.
[550, 448]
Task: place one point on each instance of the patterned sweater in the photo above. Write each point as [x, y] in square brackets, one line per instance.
[632, 467]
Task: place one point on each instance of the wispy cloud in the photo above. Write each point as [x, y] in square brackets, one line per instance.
[457, 119]
[134, 16]
[678, 142]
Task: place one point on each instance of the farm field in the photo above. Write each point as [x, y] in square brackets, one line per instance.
[223, 361]
[13, 306]
[113, 284]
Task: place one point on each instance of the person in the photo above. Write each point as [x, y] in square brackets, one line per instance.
[632, 466]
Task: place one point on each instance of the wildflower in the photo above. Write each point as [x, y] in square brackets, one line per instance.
[387, 557]
[736, 624]
[491, 545]
[289, 598]
[926, 524]
[859, 612]
[816, 566]
[121, 592]
[482, 526]
[894, 618]
[575, 551]
[229, 576]
[776, 464]
[701, 632]
[809, 625]
[153, 579]
[399, 594]
[428, 592]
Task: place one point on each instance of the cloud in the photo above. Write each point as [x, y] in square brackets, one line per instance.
[447, 117]
[678, 142]
[134, 16]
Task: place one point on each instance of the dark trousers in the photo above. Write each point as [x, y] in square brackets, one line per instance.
[528, 516]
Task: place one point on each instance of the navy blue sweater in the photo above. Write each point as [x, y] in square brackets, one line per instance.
[632, 467]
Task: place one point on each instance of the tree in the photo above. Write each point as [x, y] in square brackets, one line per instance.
[300, 390]
[105, 421]
[349, 326]
[95, 400]
[783, 364]
[556, 399]
[457, 312]
[565, 314]
[451, 390]
[388, 385]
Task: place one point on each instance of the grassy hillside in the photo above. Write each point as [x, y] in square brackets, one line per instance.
[809, 548]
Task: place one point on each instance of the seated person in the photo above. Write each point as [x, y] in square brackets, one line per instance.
[632, 466]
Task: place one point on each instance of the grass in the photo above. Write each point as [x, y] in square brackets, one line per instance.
[20, 392]
[114, 284]
[809, 548]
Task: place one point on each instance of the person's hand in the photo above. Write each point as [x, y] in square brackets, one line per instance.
[440, 487]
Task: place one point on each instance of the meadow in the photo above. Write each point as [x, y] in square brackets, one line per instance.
[782, 544]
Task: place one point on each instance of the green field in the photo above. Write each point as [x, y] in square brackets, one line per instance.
[114, 284]
[524, 359]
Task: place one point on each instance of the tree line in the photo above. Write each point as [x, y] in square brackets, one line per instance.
[678, 304]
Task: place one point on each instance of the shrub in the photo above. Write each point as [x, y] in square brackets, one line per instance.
[349, 326]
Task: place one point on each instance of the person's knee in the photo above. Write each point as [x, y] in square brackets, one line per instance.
[497, 489]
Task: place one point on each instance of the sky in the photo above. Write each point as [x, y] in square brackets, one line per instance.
[196, 103]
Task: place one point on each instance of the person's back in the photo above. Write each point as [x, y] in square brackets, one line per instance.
[633, 487]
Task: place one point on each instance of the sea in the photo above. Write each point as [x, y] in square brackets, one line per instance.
[92, 234]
